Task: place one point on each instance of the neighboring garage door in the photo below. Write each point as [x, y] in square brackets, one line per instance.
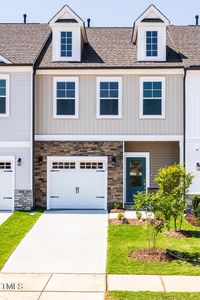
[6, 184]
[77, 183]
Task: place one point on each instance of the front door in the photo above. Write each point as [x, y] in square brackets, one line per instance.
[135, 176]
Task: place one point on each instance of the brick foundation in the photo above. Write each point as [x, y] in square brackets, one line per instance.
[23, 200]
[110, 149]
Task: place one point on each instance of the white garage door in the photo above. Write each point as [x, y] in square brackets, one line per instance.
[6, 185]
[77, 183]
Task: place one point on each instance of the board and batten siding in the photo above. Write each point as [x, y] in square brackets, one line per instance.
[17, 127]
[161, 154]
[193, 128]
[88, 123]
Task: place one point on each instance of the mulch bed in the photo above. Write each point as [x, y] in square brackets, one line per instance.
[118, 210]
[192, 220]
[178, 234]
[128, 222]
[152, 255]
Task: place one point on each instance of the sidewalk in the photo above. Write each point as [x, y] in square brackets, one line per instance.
[88, 286]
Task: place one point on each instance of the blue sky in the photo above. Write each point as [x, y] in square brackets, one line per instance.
[101, 12]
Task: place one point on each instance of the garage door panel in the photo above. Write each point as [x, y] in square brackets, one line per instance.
[6, 185]
[83, 187]
[62, 189]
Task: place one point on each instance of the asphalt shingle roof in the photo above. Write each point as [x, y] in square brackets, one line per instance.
[107, 47]
[21, 43]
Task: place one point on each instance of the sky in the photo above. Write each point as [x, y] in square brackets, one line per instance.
[102, 12]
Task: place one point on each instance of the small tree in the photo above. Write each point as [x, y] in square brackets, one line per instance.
[174, 183]
[155, 222]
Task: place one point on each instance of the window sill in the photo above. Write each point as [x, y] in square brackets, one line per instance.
[153, 117]
[66, 117]
[109, 117]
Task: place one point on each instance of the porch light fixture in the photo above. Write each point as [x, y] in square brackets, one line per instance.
[40, 160]
[19, 162]
[114, 160]
[198, 166]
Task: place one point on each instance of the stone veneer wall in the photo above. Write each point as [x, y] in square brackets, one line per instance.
[23, 200]
[115, 172]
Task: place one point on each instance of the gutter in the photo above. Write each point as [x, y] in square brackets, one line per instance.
[184, 116]
[33, 135]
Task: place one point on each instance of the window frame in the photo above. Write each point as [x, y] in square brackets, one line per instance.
[66, 57]
[6, 77]
[151, 44]
[152, 79]
[109, 79]
[65, 79]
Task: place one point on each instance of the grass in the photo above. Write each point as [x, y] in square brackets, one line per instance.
[125, 238]
[151, 296]
[13, 230]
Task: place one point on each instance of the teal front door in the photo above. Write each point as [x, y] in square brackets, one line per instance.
[135, 177]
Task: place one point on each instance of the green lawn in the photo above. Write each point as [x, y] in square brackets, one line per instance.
[151, 296]
[125, 238]
[13, 230]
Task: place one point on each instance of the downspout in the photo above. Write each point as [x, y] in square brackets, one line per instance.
[33, 135]
[184, 117]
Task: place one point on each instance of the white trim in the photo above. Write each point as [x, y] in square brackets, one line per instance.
[12, 159]
[150, 9]
[109, 79]
[5, 60]
[7, 78]
[137, 138]
[124, 177]
[77, 158]
[139, 154]
[152, 79]
[15, 69]
[31, 135]
[181, 152]
[68, 10]
[111, 72]
[15, 144]
[66, 79]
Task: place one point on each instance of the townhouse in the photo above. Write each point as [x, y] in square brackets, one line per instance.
[100, 110]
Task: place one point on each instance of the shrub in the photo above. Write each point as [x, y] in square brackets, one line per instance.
[174, 183]
[170, 201]
[120, 216]
[116, 205]
[138, 215]
[196, 206]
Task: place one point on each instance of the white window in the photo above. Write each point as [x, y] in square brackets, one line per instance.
[152, 97]
[65, 102]
[109, 97]
[66, 44]
[4, 95]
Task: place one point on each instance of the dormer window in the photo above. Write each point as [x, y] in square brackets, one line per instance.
[66, 44]
[68, 36]
[149, 35]
[151, 43]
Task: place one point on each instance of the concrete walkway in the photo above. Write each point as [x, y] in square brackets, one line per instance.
[88, 286]
[63, 242]
[4, 215]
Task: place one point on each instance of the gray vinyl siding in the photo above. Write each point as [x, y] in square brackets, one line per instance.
[17, 127]
[161, 154]
[88, 123]
[23, 172]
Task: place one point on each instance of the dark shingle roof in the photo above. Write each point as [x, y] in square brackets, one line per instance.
[21, 43]
[107, 47]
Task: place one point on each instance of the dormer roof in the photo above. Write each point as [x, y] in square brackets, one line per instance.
[151, 15]
[4, 60]
[67, 16]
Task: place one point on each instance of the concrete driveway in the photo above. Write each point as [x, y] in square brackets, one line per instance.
[63, 242]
